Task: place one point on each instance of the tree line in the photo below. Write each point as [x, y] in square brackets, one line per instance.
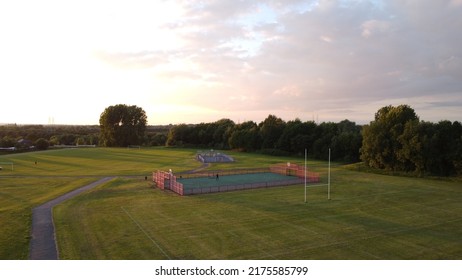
[69, 135]
[273, 136]
[22, 137]
[396, 140]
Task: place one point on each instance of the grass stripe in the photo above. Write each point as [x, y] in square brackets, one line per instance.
[145, 233]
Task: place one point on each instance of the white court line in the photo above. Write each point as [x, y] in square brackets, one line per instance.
[141, 228]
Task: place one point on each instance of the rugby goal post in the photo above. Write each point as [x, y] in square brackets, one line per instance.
[318, 185]
[7, 163]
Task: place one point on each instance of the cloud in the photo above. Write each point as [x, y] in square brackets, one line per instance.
[339, 58]
[142, 59]
[327, 39]
[373, 53]
[288, 91]
[455, 3]
[372, 27]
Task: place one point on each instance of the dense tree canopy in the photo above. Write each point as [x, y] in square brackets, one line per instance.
[271, 129]
[245, 137]
[381, 146]
[42, 144]
[396, 140]
[273, 136]
[214, 135]
[11, 134]
[122, 125]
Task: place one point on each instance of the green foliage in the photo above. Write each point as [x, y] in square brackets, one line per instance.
[270, 130]
[7, 141]
[122, 125]
[442, 148]
[54, 134]
[292, 129]
[42, 144]
[211, 135]
[273, 136]
[381, 146]
[158, 139]
[398, 141]
[177, 135]
[222, 132]
[245, 137]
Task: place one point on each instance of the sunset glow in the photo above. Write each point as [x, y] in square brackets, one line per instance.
[189, 63]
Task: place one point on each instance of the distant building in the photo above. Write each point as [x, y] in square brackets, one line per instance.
[25, 144]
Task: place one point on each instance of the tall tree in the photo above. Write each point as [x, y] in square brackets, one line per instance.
[381, 146]
[270, 130]
[222, 132]
[122, 125]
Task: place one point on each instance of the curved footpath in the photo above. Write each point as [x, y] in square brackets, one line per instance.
[204, 165]
[43, 242]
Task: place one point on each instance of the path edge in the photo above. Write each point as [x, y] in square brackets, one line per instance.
[38, 243]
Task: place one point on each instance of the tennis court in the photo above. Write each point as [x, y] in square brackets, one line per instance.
[212, 183]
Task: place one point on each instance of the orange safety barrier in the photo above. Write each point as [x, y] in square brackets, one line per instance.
[167, 181]
[295, 170]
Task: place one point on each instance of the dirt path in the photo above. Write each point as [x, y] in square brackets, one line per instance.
[202, 167]
[43, 242]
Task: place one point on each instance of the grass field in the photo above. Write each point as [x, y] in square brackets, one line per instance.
[60, 171]
[370, 216]
[99, 162]
[18, 195]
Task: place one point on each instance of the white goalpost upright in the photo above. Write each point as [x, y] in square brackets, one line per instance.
[328, 178]
[305, 175]
[8, 163]
[319, 185]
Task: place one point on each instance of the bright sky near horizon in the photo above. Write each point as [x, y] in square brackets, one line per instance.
[64, 62]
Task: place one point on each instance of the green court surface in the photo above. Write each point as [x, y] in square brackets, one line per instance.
[233, 180]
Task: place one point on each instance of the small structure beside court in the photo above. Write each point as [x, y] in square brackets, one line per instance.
[213, 157]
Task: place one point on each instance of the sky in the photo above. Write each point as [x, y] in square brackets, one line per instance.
[64, 62]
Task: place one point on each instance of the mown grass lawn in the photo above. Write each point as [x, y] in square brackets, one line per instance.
[99, 162]
[41, 176]
[369, 217]
[18, 195]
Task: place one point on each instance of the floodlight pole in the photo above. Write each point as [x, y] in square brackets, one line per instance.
[305, 175]
[328, 179]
